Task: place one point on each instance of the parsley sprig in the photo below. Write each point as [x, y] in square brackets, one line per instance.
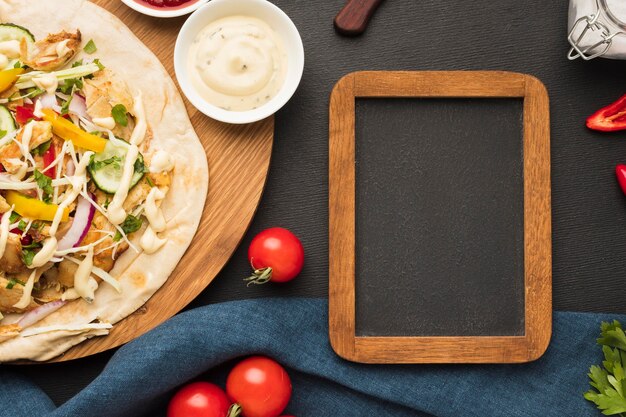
[45, 184]
[609, 380]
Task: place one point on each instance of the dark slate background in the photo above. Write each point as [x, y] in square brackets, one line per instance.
[589, 210]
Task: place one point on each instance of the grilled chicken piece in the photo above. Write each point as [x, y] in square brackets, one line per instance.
[10, 297]
[53, 52]
[103, 260]
[47, 295]
[11, 262]
[9, 331]
[10, 155]
[103, 92]
[42, 133]
[65, 273]
[137, 195]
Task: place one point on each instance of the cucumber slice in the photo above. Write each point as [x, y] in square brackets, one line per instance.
[107, 166]
[7, 122]
[11, 32]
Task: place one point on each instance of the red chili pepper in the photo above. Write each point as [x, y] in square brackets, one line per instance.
[620, 172]
[23, 114]
[48, 158]
[609, 118]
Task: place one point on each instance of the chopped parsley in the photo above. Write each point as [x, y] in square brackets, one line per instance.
[608, 381]
[22, 225]
[33, 245]
[140, 166]
[45, 184]
[27, 256]
[42, 149]
[119, 115]
[14, 217]
[130, 225]
[14, 281]
[91, 47]
[70, 85]
[65, 108]
[115, 161]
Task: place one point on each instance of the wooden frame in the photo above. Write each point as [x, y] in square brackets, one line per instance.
[537, 219]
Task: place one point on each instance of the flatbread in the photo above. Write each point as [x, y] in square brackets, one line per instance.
[140, 275]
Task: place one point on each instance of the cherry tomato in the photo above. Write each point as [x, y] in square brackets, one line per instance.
[260, 386]
[199, 399]
[275, 255]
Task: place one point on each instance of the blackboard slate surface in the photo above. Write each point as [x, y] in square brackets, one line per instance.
[439, 217]
[589, 210]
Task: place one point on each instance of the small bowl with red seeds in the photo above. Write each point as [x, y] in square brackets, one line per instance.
[164, 8]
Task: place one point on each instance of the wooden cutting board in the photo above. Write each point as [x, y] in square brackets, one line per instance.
[238, 157]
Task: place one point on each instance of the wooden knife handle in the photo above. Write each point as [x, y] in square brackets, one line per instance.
[352, 20]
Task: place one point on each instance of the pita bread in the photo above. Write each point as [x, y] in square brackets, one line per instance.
[140, 275]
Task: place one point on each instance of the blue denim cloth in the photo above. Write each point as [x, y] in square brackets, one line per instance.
[295, 332]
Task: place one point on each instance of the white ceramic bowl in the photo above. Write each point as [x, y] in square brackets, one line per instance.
[164, 12]
[261, 9]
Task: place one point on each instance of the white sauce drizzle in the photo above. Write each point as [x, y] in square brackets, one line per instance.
[21, 171]
[102, 274]
[4, 231]
[4, 61]
[45, 253]
[153, 212]
[27, 291]
[50, 245]
[82, 276]
[104, 122]
[48, 82]
[150, 241]
[116, 213]
[37, 111]
[10, 48]
[161, 162]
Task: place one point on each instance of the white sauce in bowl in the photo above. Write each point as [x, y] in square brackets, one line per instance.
[238, 63]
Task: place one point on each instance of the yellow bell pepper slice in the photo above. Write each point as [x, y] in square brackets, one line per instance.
[9, 77]
[69, 131]
[34, 209]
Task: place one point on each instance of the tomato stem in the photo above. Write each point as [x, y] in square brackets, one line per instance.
[234, 410]
[260, 276]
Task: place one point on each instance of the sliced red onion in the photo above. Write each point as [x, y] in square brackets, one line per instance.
[27, 100]
[70, 169]
[40, 313]
[78, 106]
[80, 225]
[48, 101]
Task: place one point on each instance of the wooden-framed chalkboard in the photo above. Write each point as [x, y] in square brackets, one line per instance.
[517, 264]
